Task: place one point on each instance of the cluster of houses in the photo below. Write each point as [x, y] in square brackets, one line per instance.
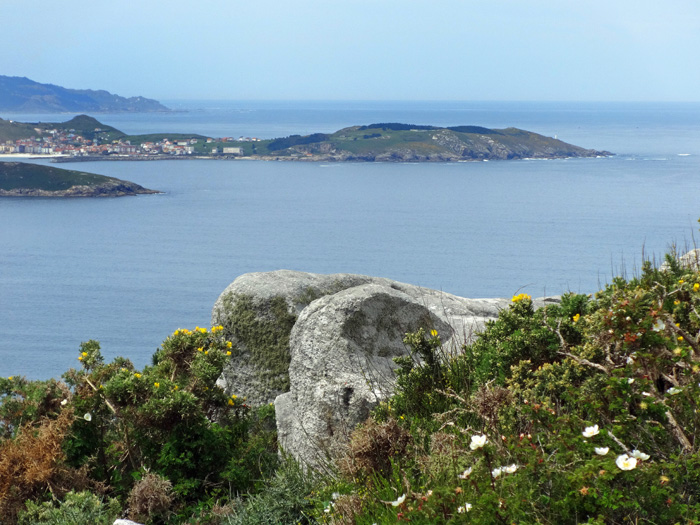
[62, 142]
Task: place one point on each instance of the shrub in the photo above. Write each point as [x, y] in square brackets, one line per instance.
[76, 508]
[583, 412]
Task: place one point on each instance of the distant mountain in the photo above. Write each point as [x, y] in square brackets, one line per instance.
[22, 95]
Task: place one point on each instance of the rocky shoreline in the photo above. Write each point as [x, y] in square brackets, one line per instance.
[108, 189]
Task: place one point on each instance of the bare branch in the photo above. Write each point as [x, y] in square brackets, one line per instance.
[586, 362]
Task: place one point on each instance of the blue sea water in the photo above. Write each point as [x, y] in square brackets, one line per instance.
[129, 271]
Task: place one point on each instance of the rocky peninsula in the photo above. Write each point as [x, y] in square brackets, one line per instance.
[84, 138]
[20, 179]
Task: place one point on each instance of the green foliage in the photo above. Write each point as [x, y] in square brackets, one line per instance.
[543, 418]
[168, 420]
[15, 175]
[76, 507]
[285, 499]
[265, 335]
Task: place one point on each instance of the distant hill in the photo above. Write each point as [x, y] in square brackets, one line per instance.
[22, 95]
[84, 125]
[395, 142]
[383, 142]
[21, 179]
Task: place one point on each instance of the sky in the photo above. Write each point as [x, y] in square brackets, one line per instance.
[501, 50]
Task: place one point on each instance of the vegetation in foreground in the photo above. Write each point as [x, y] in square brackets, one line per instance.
[583, 412]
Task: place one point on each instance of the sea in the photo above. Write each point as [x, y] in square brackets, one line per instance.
[129, 271]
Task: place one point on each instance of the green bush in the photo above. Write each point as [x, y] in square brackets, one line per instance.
[169, 419]
[76, 508]
[581, 412]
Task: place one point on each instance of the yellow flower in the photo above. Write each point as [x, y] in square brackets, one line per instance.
[202, 330]
[157, 385]
[230, 402]
[10, 378]
[229, 344]
[521, 297]
[137, 375]
[84, 354]
[433, 333]
[643, 405]
[676, 302]
[681, 281]
[206, 352]
[677, 351]
[680, 337]
[80, 358]
[200, 349]
[228, 353]
[176, 387]
[233, 396]
[576, 318]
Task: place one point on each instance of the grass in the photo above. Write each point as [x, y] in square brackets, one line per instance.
[16, 175]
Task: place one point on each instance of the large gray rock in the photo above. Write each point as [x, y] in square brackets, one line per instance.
[343, 346]
[322, 346]
[258, 311]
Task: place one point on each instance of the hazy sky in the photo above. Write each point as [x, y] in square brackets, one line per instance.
[360, 49]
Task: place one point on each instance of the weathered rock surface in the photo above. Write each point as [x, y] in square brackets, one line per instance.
[343, 346]
[322, 346]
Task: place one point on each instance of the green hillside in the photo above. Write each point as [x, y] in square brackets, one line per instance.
[24, 179]
[83, 125]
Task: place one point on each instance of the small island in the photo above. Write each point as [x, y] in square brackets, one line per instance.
[21, 179]
[85, 138]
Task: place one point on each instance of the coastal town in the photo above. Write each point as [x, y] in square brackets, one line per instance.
[71, 143]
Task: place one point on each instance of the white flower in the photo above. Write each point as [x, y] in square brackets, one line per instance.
[465, 474]
[630, 380]
[590, 431]
[630, 360]
[646, 394]
[497, 472]
[510, 469]
[673, 391]
[478, 442]
[659, 325]
[464, 508]
[639, 455]
[335, 495]
[401, 499]
[64, 402]
[87, 417]
[624, 462]
[601, 451]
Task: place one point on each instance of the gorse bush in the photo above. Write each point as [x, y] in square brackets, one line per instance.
[580, 412]
[583, 411]
[119, 430]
